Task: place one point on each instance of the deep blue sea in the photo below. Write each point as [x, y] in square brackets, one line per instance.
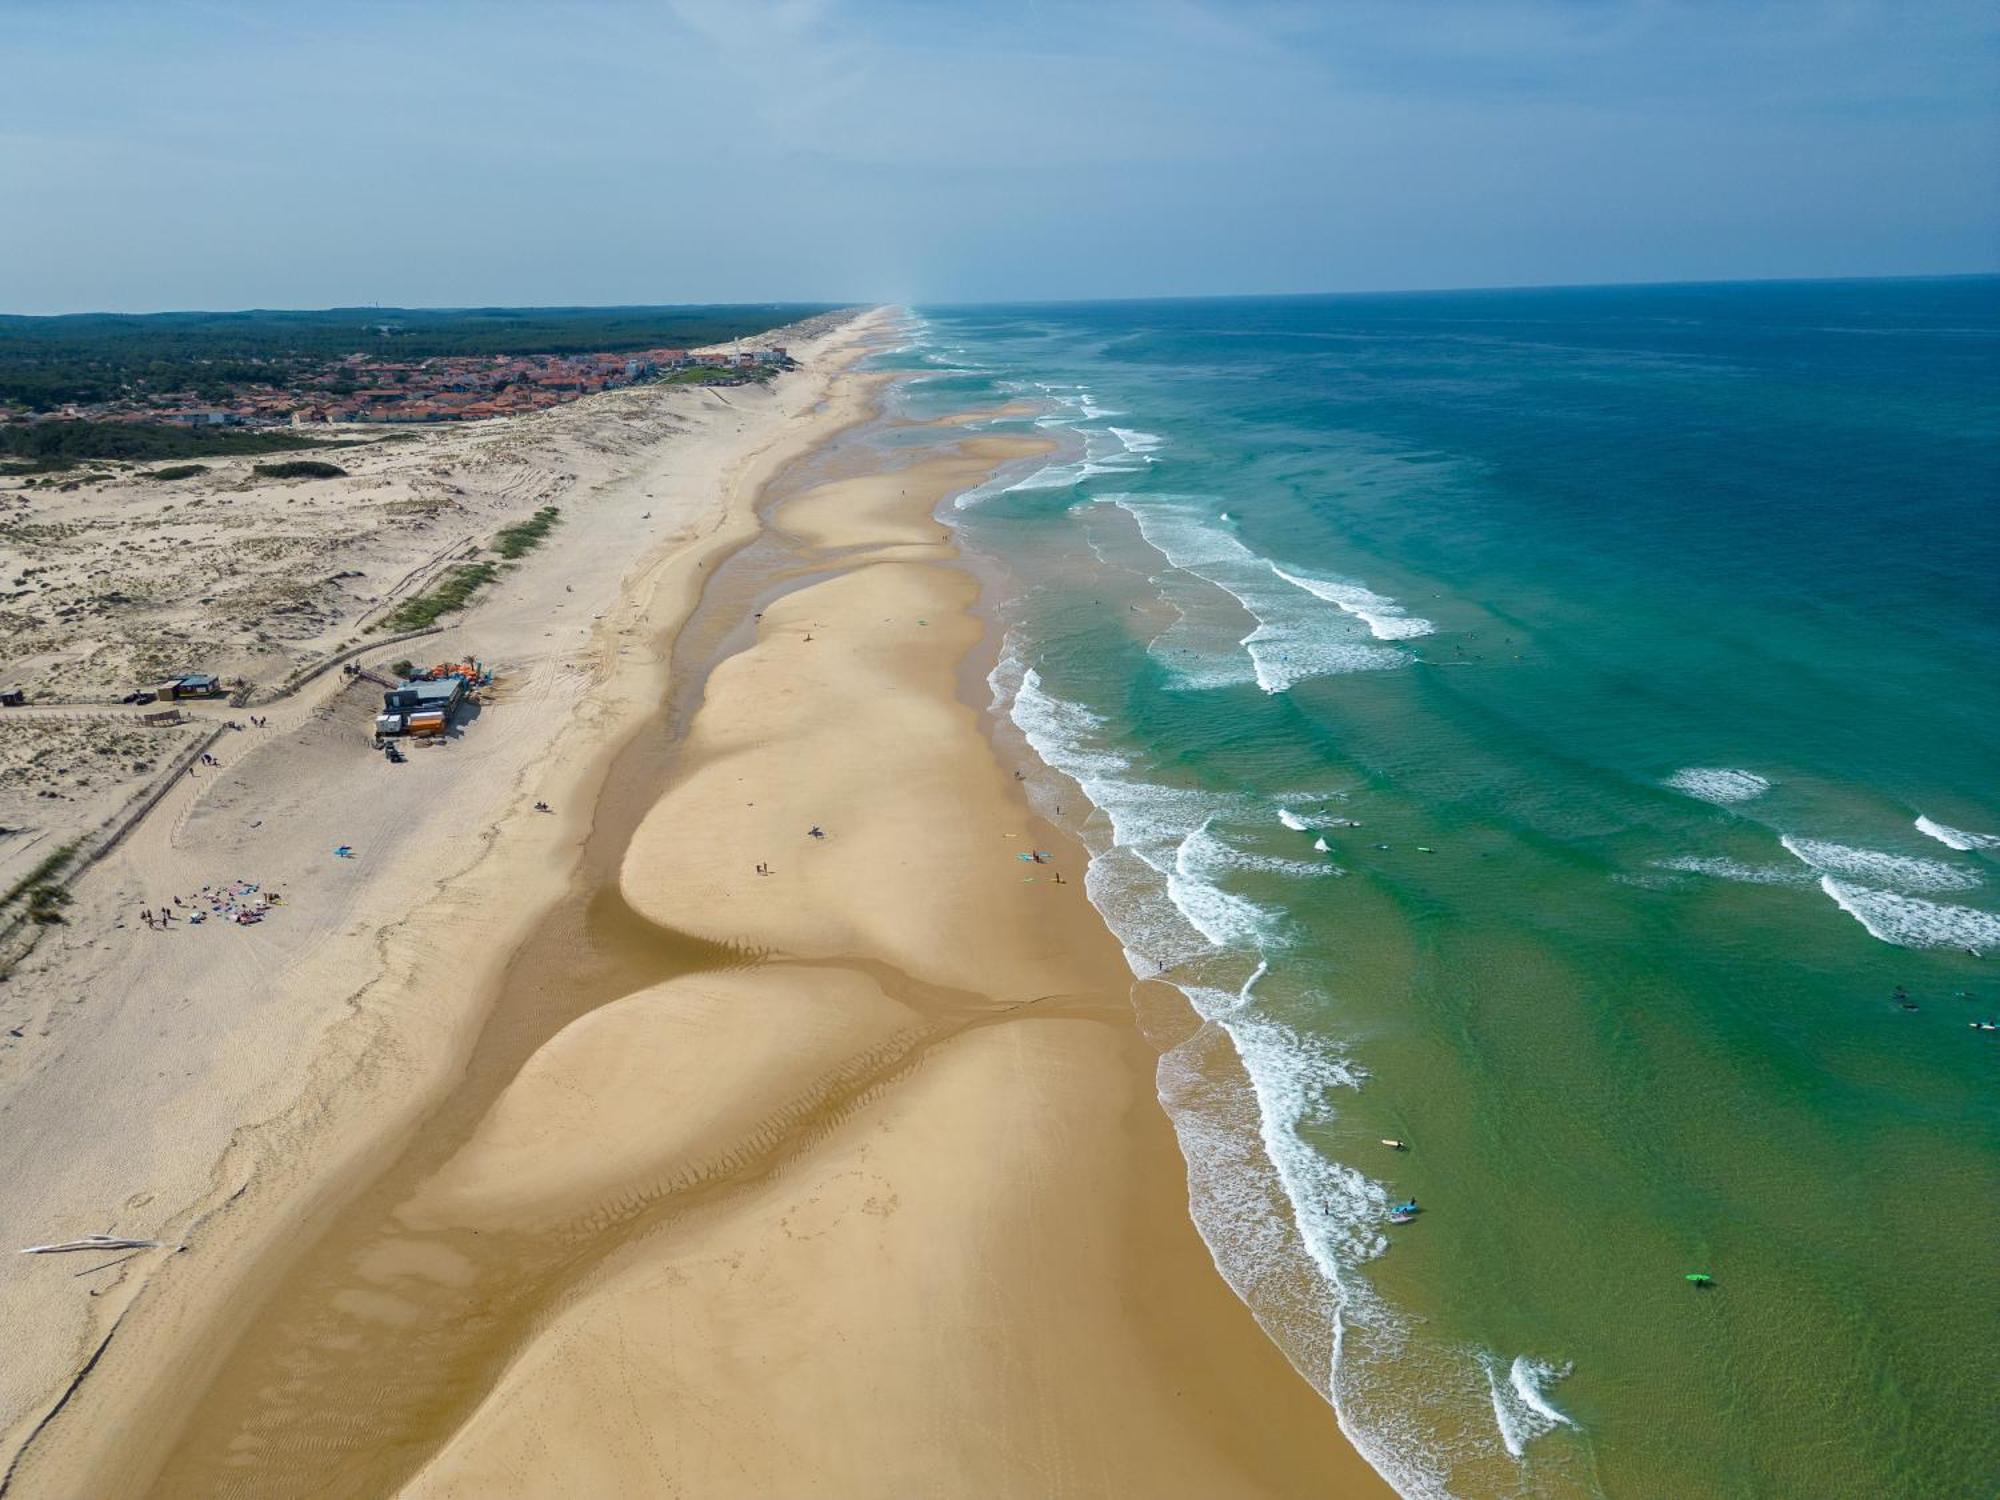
[1558, 730]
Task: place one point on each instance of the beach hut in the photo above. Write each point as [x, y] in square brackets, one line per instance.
[419, 696]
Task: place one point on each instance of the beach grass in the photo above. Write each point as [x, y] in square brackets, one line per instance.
[42, 889]
[453, 593]
[717, 374]
[300, 468]
[456, 589]
[524, 536]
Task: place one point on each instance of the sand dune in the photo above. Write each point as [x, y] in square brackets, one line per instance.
[666, 1087]
[873, 1198]
[967, 1267]
[949, 1294]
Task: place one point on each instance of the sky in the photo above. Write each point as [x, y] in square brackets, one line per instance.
[172, 154]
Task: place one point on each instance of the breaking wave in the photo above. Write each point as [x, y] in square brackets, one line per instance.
[1288, 1226]
[1106, 450]
[1901, 872]
[1291, 641]
[1521, 1408]
[1736, 870]
[1385, 618]
[1719, 786]
[1957, 838]
[1908, 922]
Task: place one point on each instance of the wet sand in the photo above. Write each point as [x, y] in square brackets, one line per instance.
[845, 1178]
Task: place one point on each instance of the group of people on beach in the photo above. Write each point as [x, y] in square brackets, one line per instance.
[242, 902]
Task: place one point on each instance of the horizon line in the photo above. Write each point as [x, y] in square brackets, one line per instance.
[837, 304]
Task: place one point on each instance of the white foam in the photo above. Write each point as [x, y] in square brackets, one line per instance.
[1061, 731]
[1901, 872]
[1719, 786]
[1286, 1225]
[1102, 454]
[1957, 838]
[1062, 476]
[1141, 443]
[1201, 649]
[1736, 870]
[1322, 845]
[1077, 401]
[1138, 876]
[1521, 1409]
[1213, 912]
[1385, 618]
[1253, 1215]
[1286, 646]
[1281, 660]
[1223, 917]
[1293, 821]
[1907, 922]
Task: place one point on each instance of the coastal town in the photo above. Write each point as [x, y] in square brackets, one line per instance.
[367, 389]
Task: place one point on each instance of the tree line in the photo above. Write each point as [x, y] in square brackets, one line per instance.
[85, 358]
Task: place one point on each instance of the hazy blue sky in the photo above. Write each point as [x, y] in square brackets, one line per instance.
[167, 154]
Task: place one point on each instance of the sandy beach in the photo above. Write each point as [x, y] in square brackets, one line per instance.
[769, 1118]
[149, 1079]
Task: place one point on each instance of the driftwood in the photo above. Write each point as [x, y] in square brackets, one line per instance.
[92, 1242]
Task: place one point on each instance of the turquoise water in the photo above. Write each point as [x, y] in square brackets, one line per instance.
[1546, 727]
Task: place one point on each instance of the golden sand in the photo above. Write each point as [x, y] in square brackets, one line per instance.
[852, 1181]
[958, 1258]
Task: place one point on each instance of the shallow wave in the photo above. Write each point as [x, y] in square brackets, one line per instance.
[1736, 870]
[1957, 838]
[1385, 618]
[1216, 854]
[1907, 922]
[1717, 785]
[1137, 857]
[1104, 452]
[1521, 1409]
[1078, 403]
[1289, 1227]
[1141, 443]
[1901, 872]
[1288, 645]
[1227, 920]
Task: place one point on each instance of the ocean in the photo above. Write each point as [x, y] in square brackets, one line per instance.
[1558, 730]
